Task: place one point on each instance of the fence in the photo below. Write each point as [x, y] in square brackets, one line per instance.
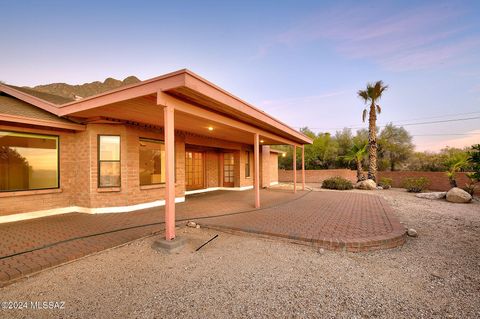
[316, 176]
[438, 180]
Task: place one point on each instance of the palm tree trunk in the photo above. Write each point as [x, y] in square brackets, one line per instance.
[359, 170]
[372, 143]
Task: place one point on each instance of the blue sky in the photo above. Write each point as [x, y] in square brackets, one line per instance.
[301, 61]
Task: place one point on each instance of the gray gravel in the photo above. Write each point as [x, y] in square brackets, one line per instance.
[436, 274]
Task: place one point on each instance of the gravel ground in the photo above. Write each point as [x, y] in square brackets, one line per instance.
[434, 275]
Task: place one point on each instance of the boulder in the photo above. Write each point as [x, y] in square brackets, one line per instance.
[432, 195]
[368, 184]
[458, 195]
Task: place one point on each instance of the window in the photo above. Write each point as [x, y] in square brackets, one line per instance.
[108, 161]
[28, 161]
[152, 162]
[247, 165]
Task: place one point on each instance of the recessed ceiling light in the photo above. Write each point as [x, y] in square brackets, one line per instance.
[210, 128]
[261, 141]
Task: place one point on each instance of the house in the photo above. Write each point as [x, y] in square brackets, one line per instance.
[141, 145]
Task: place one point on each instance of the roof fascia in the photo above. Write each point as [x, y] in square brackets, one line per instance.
[41, 122]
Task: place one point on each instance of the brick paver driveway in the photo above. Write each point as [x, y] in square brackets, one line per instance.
[334, 220]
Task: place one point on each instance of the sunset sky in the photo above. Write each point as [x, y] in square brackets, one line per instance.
[301, 61]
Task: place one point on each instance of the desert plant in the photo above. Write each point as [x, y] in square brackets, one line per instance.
[385, 182]
[471, 186]
[474, 159]
[356, 153]
[337, 182]
[416, 185]
[455, 164]
[371, 95]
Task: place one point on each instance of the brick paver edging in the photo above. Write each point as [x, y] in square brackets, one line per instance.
[389, 233]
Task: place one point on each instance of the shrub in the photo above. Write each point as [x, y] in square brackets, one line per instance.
[385, 182]
[416, 185]
[337, 182]
[471, 186]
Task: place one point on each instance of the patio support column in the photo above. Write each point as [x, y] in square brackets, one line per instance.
[303, 167]
[294, 168]
[169, 131]
[256, 182]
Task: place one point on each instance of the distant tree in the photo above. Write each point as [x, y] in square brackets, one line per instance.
[395, 144]
[371, 95]
[308, 132]
[357, 153]
[425, 161]
[344, 139]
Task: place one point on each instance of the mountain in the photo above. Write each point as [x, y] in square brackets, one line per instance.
[73, 92]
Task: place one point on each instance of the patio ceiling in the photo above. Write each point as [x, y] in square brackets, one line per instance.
[145, 111]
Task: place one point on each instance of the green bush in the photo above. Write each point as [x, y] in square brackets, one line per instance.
[385, 182]
[416, 185]
[337, 182]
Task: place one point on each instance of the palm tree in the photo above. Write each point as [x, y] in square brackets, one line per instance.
[371, 95]
[357, 153]
[455, 164]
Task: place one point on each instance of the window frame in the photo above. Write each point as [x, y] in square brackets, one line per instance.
[248, 162]
[152, 140]
[109, 161]
[57, 137]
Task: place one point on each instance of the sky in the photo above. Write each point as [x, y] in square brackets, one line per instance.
[300, 61]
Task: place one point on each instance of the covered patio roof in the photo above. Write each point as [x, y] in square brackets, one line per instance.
[184, 89]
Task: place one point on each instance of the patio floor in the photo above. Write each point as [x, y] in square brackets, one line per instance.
[334, 220]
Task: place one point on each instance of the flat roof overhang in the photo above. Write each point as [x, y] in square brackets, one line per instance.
[194, 98]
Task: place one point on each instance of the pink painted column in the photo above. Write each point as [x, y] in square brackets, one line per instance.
[169, 131]
[294, 168]
[303, 167]
[256, 182]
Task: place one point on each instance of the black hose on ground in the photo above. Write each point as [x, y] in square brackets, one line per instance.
[207, 242]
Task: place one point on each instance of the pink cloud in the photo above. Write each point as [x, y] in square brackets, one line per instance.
[410, 39]
[472, 137]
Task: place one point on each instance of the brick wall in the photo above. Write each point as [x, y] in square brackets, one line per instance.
[273, 167]
[265, 166]
[316, 176]
[438, 180]
[79, 169]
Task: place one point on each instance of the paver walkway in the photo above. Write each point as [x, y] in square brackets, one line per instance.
[67, 237]
[29, 246]
[333, 220]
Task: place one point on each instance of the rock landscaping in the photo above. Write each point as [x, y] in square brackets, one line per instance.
[432, 195]
[458, 195]
[368, 184]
